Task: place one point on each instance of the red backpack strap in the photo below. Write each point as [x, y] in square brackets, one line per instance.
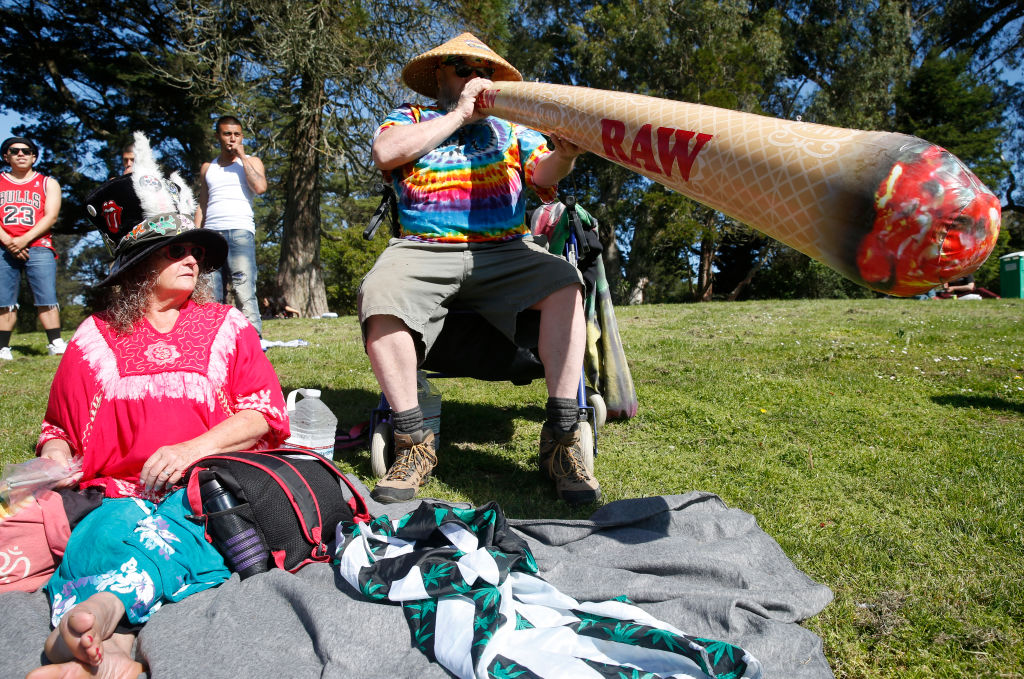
[195, 500]
[360, 511]
[276, 466]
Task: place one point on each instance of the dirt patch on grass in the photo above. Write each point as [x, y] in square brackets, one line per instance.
[881, 615]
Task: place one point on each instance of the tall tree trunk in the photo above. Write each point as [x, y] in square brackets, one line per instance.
[704, 272]
[299, 275]
[759, 259]
[612, 257]
[636, 295]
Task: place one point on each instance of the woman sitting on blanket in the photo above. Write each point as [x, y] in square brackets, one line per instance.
[159, 379]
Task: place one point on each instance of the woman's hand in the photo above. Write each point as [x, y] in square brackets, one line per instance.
[165, 467]
[59, 451]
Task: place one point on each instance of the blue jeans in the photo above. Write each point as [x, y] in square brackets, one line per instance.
[41, 267]
[240, 268]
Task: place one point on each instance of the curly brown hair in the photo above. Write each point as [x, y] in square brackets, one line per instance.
[130, 298]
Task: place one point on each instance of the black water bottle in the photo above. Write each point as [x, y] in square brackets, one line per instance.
[236, 539]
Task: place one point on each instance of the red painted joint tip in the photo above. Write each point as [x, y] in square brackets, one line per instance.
[934, 222]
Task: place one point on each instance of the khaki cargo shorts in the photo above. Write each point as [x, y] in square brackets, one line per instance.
[418, 282]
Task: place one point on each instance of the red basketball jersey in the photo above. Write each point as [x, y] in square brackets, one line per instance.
[22, 204]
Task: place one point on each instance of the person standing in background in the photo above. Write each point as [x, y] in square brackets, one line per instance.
[226, 190]
[128, 159]
[29, 205]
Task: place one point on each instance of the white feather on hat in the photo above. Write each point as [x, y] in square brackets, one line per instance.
[156, 194]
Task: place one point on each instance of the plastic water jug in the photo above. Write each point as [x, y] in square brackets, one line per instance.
[312, 422]
[430, 403]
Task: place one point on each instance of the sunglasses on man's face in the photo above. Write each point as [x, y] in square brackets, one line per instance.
[177, 251]
[20, 151]
[464, 70]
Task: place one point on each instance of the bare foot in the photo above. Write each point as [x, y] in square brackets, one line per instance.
[82, 631]
[116, 664]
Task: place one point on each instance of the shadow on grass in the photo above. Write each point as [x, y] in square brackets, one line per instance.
[985, 402]
[461, 422]
[483, 459]
[466, 460]
[25, 350]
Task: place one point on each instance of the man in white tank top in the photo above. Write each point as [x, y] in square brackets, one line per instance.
[229, 183]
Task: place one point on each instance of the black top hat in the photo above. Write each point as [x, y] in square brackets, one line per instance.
[141, 212]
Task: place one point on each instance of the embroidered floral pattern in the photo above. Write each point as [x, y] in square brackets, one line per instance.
[197, 336]
[261, 402]
[205, 369]
[50, 432]
[161, 353]
[94, 408]
[150, 183]
[114, 487]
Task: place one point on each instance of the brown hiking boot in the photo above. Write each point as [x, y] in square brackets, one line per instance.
[561, 458]
[414, 460]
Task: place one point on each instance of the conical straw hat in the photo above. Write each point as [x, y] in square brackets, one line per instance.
[419, 74]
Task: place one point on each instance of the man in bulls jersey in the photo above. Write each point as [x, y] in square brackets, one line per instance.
[29, 204]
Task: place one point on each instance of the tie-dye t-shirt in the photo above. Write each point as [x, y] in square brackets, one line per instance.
[469, 188]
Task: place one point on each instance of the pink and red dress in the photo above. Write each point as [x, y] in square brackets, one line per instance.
[116, 399]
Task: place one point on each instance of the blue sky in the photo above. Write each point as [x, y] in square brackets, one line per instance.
[7, 121]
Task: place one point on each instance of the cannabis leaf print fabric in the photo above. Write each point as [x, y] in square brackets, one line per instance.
[475, 603]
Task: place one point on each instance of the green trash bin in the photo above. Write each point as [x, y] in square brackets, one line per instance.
[1011, 275]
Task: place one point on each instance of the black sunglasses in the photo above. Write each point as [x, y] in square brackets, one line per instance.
[176, 251]
[20, 151]
[464, 70]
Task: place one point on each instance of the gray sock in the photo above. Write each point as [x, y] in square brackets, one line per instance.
[563, 413]
[408, 421]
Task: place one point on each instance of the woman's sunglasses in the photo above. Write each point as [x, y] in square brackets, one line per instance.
[177, 251]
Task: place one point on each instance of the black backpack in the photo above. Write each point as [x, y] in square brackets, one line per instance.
[281, 507]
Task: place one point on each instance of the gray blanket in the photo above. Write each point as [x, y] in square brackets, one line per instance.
[687, 559]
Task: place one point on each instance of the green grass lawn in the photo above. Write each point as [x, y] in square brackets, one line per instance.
[879, 441]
